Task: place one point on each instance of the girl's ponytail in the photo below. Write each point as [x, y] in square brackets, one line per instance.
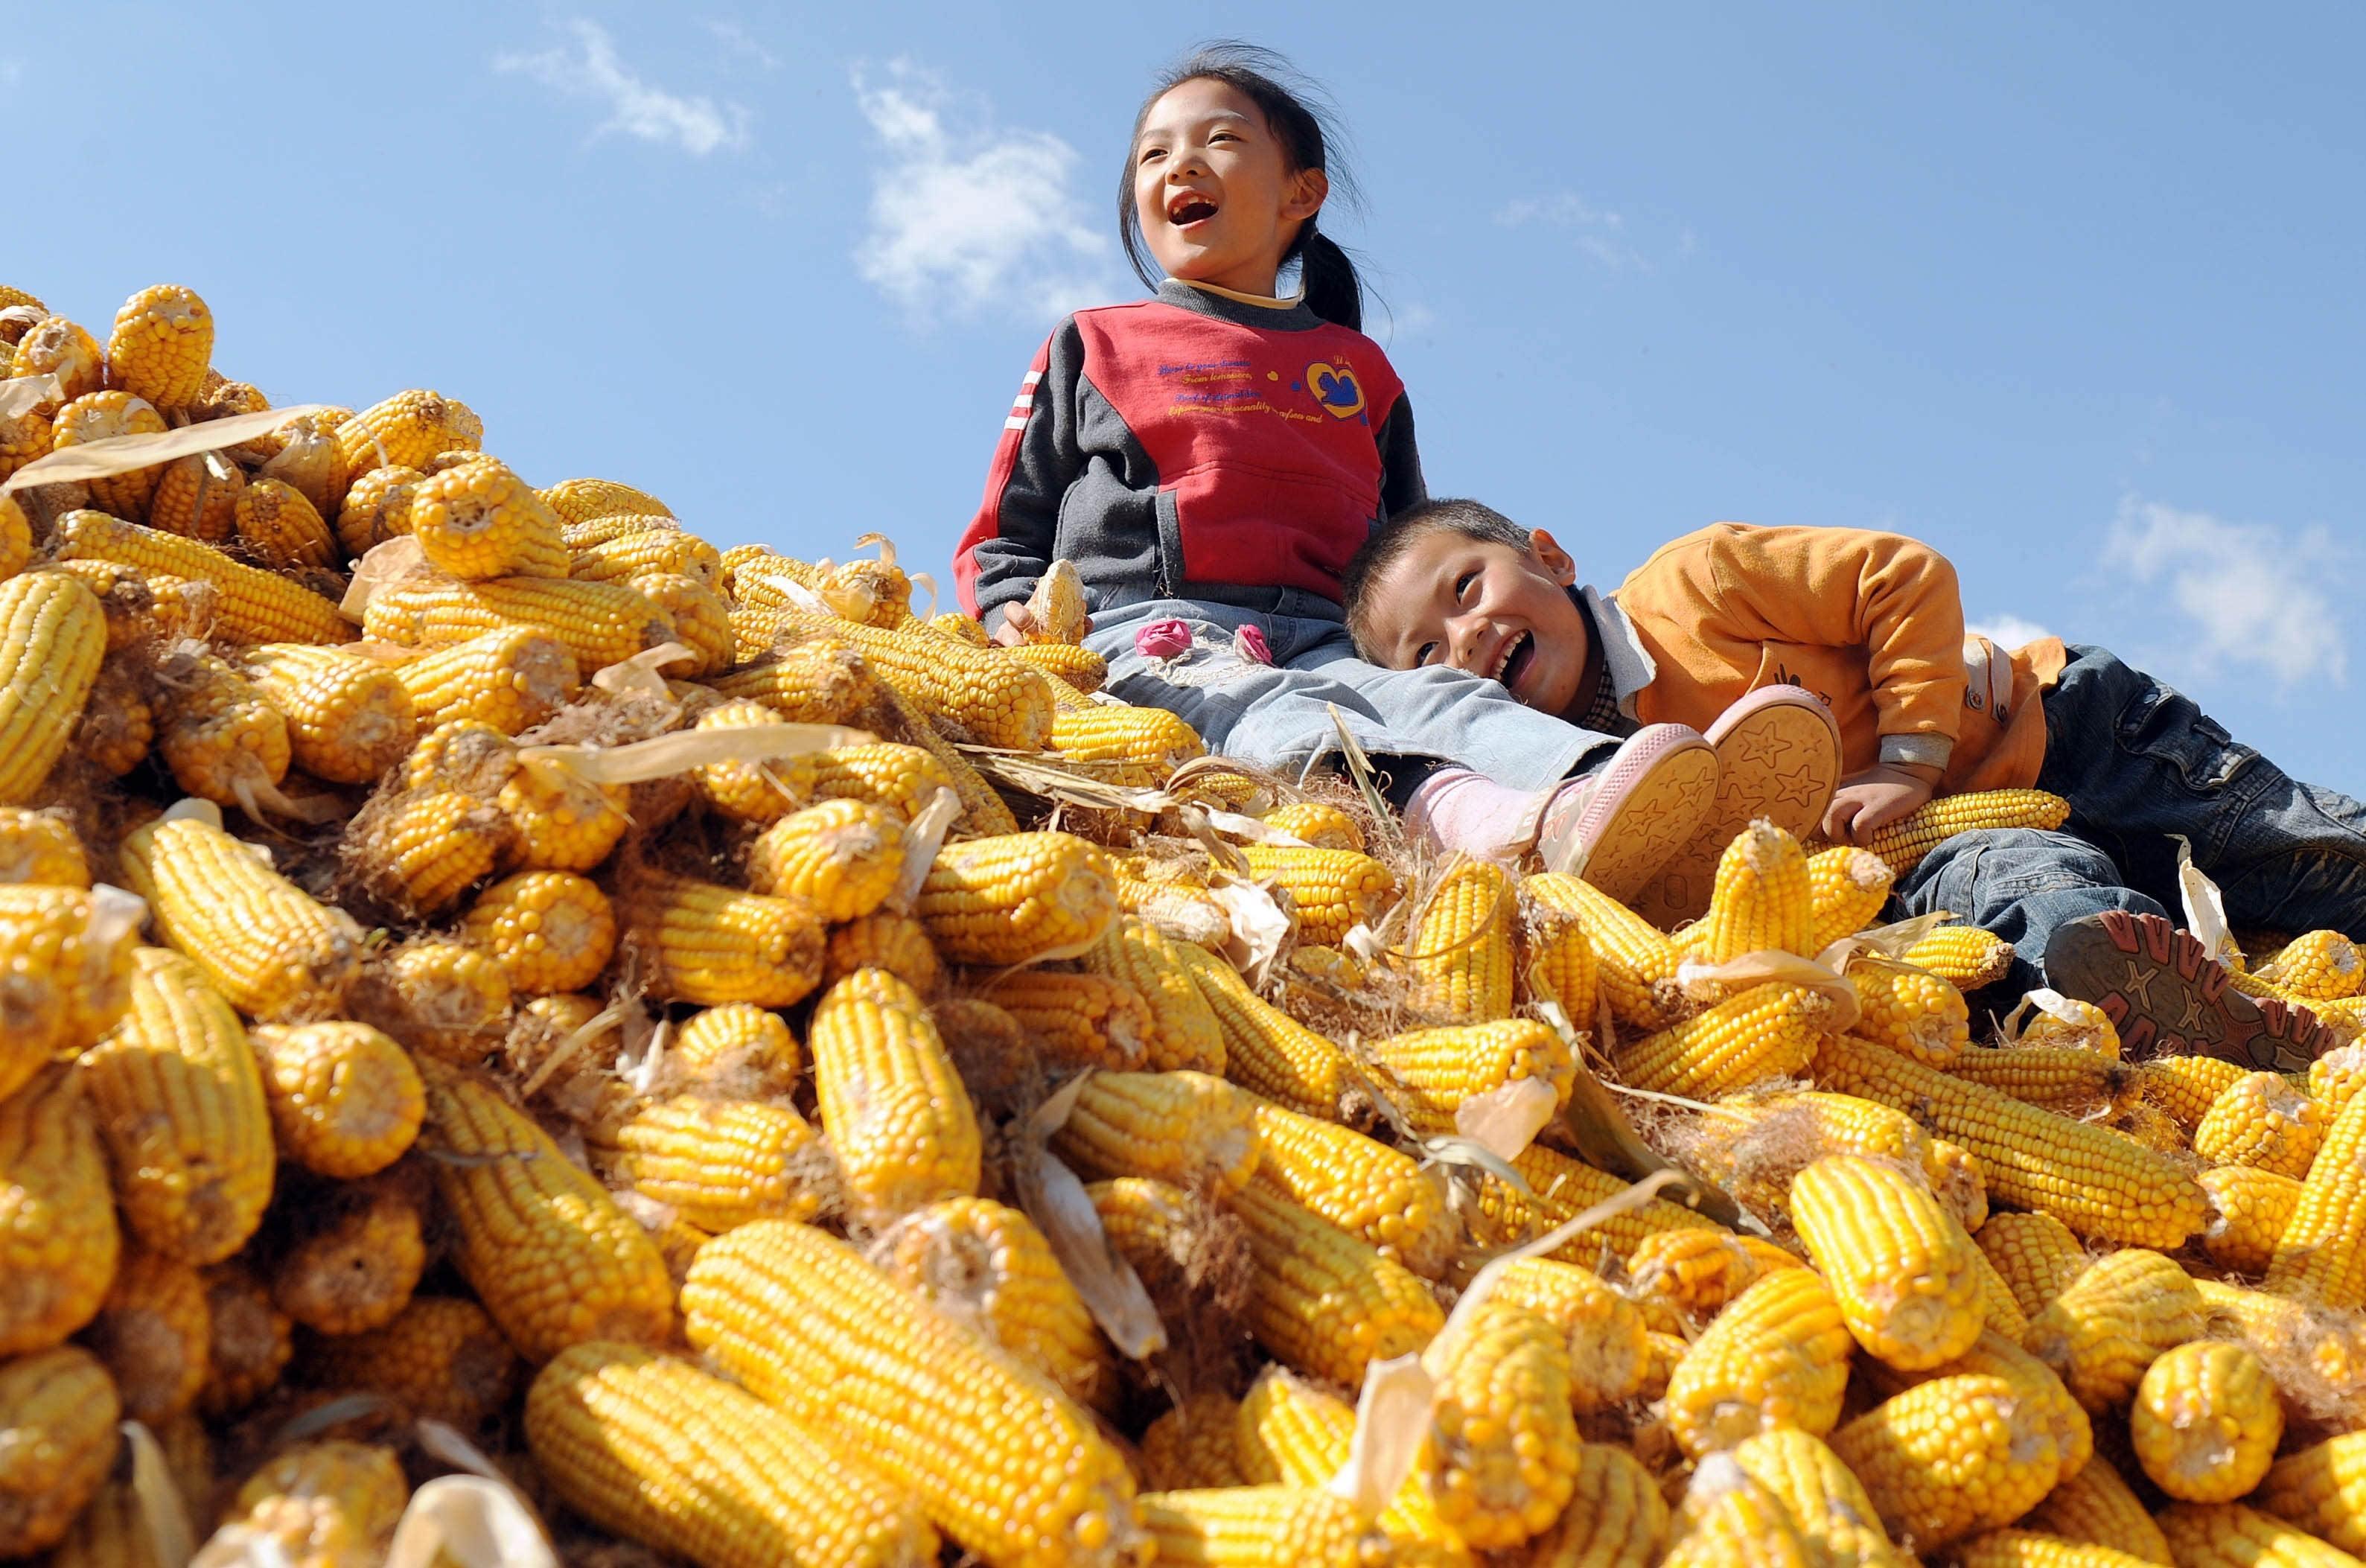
[1333, 289]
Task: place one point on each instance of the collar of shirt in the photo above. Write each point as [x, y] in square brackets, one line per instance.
[1628, 664]
[1242, 309]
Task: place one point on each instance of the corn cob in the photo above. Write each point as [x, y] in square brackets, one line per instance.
[442, 999]
[1913, 1012]
[1184, 1032]
[1288, 1431]
[1683, 1278]
[2185, 1086]
[127, 597]
[356, 1266]
[952, 623]
[53, 636]
[2064, 1021]
[985, 1264]
[103, 416]
[59, 1243]
[1459, 961]
[2317, 966]
[564, 821]
[600, 623]
[1365, 1187]
[254, 605]
[349, 719]
[479, 521]
[512, 679]
[1561, 1189]
[550, 930]
[345, 1100]
[843, 857]
[440, 1358]
[2322, 1489]
[181, 1105]
[986, 696]
[118, 725]
[737, 1046]
[2103, 1330]
[1767, 1032]
[1331, 891]
[1602, 1332]
[1776, 1357]
[1824, 1499]
[1964, 956]
[197, 497]
[2321, 1256]
[252, 1341]
[2318, 1349]
[421, 853]
[1316, 822]
[903, 779]
[2099, 1185]
[896, 1112]
[1903, 843]
[1615, 1517]
[307, 458]
[721, 1162]
[1753, 1145]
[1016, 897]
[542, 1244]
[1087, 1021]
[651, 1448]
[1438, 1070]
[756, 792]
[275, 952]
[1952, 1457]
[41, 848]
[66, 958]
[630, 555]
[25, 437]
[377, 507]
[278, 528]
[2334, 1078]
[1500, 1464]
[1665, 1353]
[221, 738]
[1182, 1127]
[57, 347]
[701, 623]
[2249, 1211]
[2264, 1122]
[706, 944]
[1900, 1266]
[2019, 1548]
[2093, 1506]
[1846, 889]
[2205, 1422]
[580, 501]
[1191, 1446]
[1762, 900]
[823, 680]
[886, 940]
[2035, 1255]
[1265, 1050]
[2229, 1535]
[163, 339]
[317, 1505]
[1557, 960]
[1001, 1461]
[153, 1333]
[1730, 1519]
[407, 429]
[57, 1444]
[2063, 1078]
[1241, 1527]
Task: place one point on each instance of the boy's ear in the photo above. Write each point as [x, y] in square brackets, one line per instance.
[1310, 188]
[1552, 557]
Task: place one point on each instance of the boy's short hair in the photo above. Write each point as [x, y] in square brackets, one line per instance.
[1388, 543]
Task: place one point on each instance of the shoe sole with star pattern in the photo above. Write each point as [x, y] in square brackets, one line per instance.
[1645, 805]
[1778, 756]
[2167, 997]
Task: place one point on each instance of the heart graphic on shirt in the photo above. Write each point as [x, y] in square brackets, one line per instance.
[1335, 388]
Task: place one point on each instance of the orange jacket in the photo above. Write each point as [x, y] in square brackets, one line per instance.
[1870, 622]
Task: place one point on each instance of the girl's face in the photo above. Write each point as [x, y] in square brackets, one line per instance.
[1213, 190]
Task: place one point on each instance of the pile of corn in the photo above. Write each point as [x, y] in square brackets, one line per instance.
[773, 1079]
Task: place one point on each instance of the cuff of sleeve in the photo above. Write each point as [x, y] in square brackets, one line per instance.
[1917, 751]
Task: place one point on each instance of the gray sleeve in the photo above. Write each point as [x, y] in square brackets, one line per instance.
[1017, 538]
[1401, 489]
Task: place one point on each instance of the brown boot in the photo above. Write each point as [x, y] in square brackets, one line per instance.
[2167, 997]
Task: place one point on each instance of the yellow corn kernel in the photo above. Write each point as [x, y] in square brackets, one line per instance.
[408, 428]
[2093, 1506]
[1762, 901]
[377, 507]
[345, 1100]
[1016, 897]
[1912, 1011]
[105, 416]
[1181, 1127]
[354, 1268]
[1903, 843]
[738, 1048]
[1459, 953]
[2185, 1086]
[540, 1242]
[1604, 1333]
[348, 718]
[843, 857]
[701, 623]
[650, 550]
[439, 1358]
[2060, 1021]
[442, 999]
[580, 501]
[40, 847]
[1615, 1517]
[2105, 1328]
[252, 1341]
[477, 520]
[896, 1115]
[1331, 891]
[252, 605]
[1289, 1431]
[57, 1444]
[1900, 1266]
[1077, 1020]
[1683, 1278]
[2064, 1079]
[1500, 1464]
[153, 1334]
[885, 940]
[986, 1264]
[1753, 1145]
[823, 680]
[754, 792]
[2099, 1185]
[1317, 822]
[1191, 1444]
[511, 678]
[1437, 1071]
[277, 952]
[564, 821]
[1766, 1032]
[1777, 1356]
[2321, 1256]
[550, 930]
[1560, 1189]
[1322, 1301]
[119, 725]
[2249, 1211]
[1728, 1517]
[2317, 966]
[198, 497]
[1239, 1527]
[2334, 1078]
[221, 737]
[53, 636]
[420, 853]
[2229, 1535]
[999, 1459]
[2035, 1255]
[59, 1243]
[599, 623]
[989, 697]
[2206, 1421]
[1964, 956]
[720, 1162]
[1952, 1457]
[1846, 889]
[278, 528]
[1827, 1502]
[162, 340]
[1184, 1032]
[65, 973]
[315, 1505]
[706, 944]
[2263, 1121]
[1365, 1187]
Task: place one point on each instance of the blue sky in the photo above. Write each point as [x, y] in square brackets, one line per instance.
[2070, 292]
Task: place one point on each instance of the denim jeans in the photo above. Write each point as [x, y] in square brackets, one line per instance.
[2141, 766]
[1276, 716]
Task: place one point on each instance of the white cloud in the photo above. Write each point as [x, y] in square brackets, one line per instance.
[965, 215]
[1599, 232]
[2252, 592]
[2007, 630]
[590, 70]
[743, 43]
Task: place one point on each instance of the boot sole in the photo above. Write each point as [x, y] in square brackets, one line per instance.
[1645, 812]
[1778, 756]
[2167, 997]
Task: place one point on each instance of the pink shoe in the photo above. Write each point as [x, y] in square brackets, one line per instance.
[1778, 756]
[1638, 808]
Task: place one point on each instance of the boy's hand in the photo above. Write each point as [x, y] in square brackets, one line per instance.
[1016, 623]
[1875, 799]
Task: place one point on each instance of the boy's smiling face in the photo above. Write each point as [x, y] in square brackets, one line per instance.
[1485, 607]
[1213, 188]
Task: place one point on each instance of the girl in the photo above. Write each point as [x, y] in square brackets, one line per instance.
[1210, 458]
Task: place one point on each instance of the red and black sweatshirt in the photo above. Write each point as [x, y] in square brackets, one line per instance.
[1189, 444]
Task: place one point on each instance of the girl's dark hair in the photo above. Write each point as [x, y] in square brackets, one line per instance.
[1307, 127]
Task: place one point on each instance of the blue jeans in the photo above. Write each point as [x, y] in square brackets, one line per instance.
[1277, 717]
[2141, 766]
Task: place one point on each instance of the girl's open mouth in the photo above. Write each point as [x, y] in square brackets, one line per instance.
[1190, 208]
[1517, 655]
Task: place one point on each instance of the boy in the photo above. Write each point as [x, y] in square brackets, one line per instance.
[1873, 624]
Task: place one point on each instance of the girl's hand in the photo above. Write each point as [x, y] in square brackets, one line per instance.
[1875, 799]
[1016, 624]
